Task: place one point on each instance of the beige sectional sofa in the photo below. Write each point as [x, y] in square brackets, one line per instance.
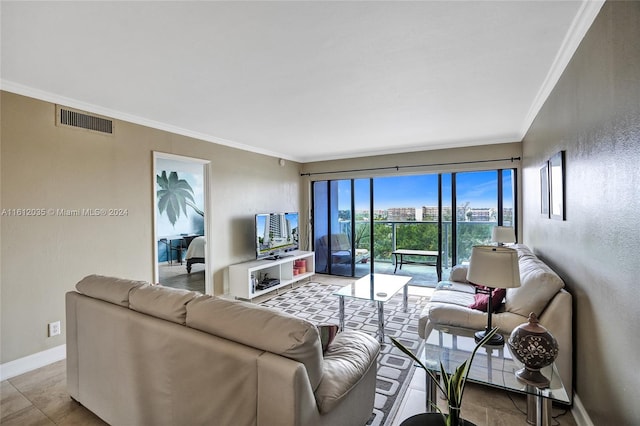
[139, 354]
[541, 291]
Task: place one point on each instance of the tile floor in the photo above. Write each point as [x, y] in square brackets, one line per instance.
[40, 398]
[176, 276]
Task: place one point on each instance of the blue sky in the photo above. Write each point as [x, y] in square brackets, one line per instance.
[477, 188]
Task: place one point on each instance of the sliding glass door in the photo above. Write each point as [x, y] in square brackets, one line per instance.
[476, 196]
[447, 221]
[483, 200]
[359, 223]
[363, 261]
[342, 226]
[507, 178]
[406, 218]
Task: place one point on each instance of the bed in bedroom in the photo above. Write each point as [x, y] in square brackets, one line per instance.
[195, 252]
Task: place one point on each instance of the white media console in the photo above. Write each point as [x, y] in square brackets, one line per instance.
[282, 269]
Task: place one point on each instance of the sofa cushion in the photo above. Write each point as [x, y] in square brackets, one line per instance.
[162, 302]
[454, 297]
[109, 289]
[345, 363]
[538, 284]
[262, 328]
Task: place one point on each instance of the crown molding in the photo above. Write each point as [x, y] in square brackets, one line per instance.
[578, 29]
[42, 95]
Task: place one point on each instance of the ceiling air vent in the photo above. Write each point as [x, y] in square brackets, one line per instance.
[82, 120]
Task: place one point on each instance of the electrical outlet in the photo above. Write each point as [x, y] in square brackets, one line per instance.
[54, 328]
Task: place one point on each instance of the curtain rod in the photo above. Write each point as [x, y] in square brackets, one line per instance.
[397, 168]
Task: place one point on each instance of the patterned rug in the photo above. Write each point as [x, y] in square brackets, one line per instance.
[316, 303]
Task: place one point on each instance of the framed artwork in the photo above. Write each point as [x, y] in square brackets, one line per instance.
[544, 190]
[556, 186]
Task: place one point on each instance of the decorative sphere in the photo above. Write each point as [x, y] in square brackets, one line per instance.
[535, 347]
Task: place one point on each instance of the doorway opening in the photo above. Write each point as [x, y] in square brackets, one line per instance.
[180, 222]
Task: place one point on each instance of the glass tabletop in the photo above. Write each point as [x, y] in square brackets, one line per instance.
[493, 366]
[376, 287]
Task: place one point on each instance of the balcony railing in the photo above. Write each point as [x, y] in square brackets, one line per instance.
[392, 235]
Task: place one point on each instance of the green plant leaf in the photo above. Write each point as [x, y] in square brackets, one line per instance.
[452, 384]
[481, 343]
[404, 349]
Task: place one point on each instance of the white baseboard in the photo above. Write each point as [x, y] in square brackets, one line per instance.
[32, 362]
[579, 413]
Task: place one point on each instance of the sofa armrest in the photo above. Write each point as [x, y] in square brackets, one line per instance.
[347, 360]
[73, 381]
[462, 287]
[459, 273]
[557, 317]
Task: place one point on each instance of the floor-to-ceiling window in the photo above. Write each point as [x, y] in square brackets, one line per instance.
[406, 216]
[483, 200]
[363, 227]
[447, 220]
[508, 178]
[321, 214]
[341, 226]
[358, 223]
[476, 197]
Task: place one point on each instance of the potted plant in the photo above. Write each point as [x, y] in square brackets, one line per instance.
[452, 385]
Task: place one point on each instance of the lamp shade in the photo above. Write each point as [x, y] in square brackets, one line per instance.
[503, 234]
[494, 266]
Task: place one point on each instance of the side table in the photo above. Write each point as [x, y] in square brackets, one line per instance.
[492, 366]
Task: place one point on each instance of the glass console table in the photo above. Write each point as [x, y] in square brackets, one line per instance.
[492, 366]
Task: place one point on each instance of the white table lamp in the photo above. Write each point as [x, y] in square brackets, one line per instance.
[493, 267]
[503, 234]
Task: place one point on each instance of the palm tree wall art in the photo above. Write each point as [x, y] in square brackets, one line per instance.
[174, 196]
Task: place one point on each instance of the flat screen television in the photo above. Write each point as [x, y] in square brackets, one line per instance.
[276, 234]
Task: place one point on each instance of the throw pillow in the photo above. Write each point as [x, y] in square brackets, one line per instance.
[481, 301]
[327, 334]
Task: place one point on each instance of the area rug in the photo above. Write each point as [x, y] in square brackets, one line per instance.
[316, 303]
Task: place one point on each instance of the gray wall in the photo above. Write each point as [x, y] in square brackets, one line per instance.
[44, 166]
[593, 114]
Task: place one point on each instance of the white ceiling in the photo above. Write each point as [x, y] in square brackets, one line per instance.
[301, 80]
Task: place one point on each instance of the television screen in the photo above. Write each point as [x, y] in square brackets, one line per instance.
[276, 234]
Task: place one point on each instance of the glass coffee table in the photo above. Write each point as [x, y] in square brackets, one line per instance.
[493, 366]
[379, 288]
